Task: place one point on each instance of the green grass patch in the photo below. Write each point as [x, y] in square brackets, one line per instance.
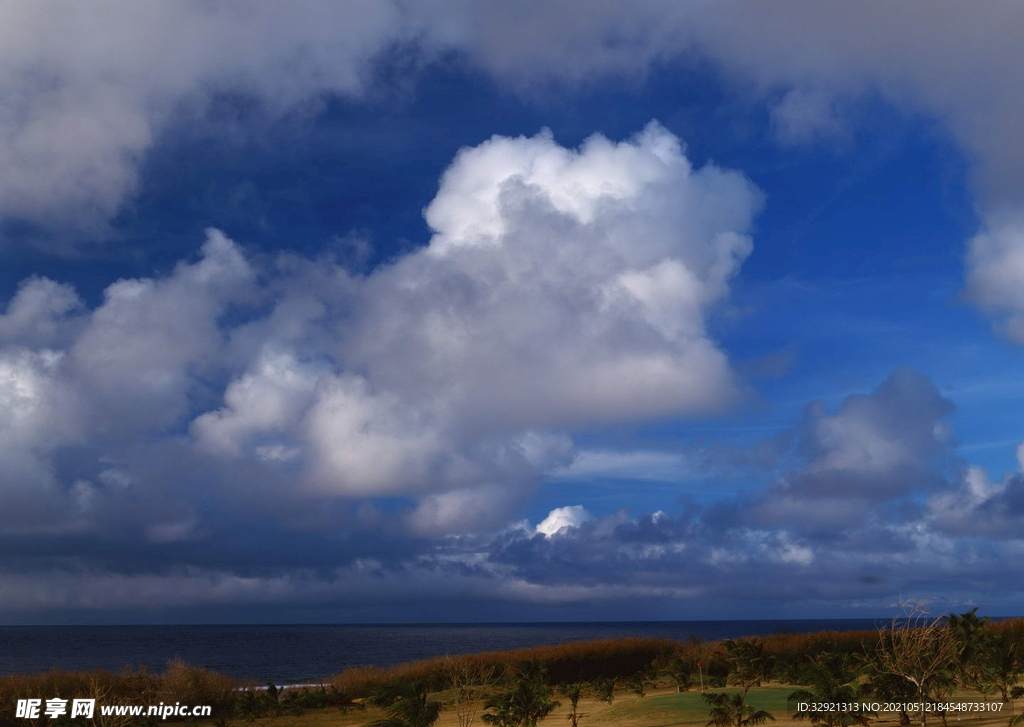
[686, 708]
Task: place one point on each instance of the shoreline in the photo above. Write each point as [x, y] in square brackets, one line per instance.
[307, 652]
[258, 683]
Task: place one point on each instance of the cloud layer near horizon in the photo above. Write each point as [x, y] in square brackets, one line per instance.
[948, 540]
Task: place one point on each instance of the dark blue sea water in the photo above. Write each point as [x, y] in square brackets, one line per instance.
[295, 654]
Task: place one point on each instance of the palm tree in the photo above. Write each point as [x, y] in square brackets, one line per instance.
[406, 705]
[972, 636]
[749, 666]
[525, 704]
[502, 712]
[938, 690]
[573, 692]
[1002, 663]
[638, 683]
[731, 710]
[603, 688]
[890, 687]
[792, 671]
[680, 671]
[1016, 693]
[830, 678]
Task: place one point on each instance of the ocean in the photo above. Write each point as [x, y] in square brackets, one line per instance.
[305, 653]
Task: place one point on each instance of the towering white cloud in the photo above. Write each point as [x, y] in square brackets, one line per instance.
[561, 288]
[563, 285]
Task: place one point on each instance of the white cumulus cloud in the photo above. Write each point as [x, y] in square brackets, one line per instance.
[570, 516]
[561, 288]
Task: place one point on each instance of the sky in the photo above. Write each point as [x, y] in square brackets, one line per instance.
[438, 310]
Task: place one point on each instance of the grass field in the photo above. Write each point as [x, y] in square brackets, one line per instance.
[621, 659]
[660, 708]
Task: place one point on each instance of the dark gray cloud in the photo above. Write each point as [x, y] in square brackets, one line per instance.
[692, 558]
[980, 507]
[874, 450]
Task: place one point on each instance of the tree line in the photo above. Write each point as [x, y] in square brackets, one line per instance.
[912, 660]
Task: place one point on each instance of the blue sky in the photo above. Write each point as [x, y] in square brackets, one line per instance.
[435, 311]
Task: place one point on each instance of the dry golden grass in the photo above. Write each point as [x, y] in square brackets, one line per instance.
[194, 685]
[179, 683]
[564, 663]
